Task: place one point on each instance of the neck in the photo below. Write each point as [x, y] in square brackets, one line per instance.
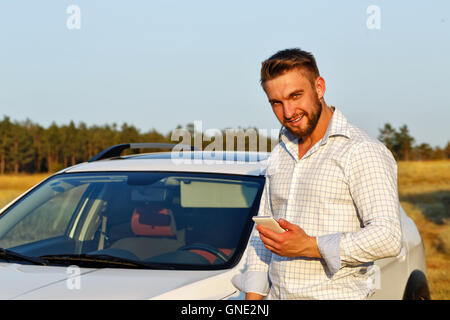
[306, 143]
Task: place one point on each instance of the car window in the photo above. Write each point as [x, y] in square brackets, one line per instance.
[47, 219]
[186, 220]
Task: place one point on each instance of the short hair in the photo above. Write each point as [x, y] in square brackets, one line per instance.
[287, 60]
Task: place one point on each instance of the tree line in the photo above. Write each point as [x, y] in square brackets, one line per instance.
[403, 147]
[30, 148]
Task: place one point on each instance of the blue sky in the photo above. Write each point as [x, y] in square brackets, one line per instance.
[157, 64]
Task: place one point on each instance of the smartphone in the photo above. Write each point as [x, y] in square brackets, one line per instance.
[269, 223]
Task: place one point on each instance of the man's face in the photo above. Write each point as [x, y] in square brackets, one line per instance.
[295, 102]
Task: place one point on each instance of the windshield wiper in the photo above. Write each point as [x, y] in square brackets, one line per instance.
[103, 260]
[10, 255]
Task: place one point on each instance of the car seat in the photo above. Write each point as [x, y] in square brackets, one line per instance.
[153, 231]
[152, 221]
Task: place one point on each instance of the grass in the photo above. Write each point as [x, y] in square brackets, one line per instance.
[424, 191]
[12, 186]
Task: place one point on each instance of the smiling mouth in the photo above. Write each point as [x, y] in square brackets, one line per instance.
[296, 119]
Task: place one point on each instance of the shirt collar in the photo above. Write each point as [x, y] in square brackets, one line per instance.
[338, 126]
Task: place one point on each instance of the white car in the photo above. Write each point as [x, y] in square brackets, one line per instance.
[154, 226]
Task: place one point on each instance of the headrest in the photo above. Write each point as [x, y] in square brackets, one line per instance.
[151, 221]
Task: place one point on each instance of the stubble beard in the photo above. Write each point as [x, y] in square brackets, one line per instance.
[312, 118]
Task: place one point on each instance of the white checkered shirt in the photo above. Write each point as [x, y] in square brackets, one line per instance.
[344, 192]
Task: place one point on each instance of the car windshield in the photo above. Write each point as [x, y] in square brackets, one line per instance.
[166, 219]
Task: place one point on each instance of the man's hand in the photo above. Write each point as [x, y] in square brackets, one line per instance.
[253, 296]
[294, 242]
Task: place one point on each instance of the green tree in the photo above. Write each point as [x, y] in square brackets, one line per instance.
[404, 143]
[21, 151]
[388, 136]
[447, 150]
[438, 154]
[36, 132]
[84, 143]
[52, 147]
[424, 152]
[5, 142]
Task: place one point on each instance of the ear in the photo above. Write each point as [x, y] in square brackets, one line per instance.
[320, 87]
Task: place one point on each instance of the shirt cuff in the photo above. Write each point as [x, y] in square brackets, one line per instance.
[252, 281]
[329, 249]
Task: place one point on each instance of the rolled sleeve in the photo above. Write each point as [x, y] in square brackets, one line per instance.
[329, 249]
[252, 281]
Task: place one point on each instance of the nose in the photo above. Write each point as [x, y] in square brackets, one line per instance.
[289, 110]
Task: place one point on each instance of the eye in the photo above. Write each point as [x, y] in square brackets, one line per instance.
[275, 103]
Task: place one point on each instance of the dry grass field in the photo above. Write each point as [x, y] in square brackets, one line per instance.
[12, 186]
[424, 190]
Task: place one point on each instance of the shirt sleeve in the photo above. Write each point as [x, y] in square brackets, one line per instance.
[329, 249]
[256, 279]
[372, 178]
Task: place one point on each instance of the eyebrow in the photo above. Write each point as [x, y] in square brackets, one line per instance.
[295, 92]
[271, 101]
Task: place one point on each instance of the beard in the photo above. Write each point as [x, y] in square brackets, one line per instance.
[312, 120]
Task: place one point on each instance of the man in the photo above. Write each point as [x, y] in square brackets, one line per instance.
[330, 185]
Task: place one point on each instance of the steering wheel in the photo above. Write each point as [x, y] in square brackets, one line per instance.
[205, 247]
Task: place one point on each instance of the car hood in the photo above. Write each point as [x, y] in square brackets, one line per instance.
[19, 281]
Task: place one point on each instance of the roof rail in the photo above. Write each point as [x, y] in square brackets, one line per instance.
[115, 151]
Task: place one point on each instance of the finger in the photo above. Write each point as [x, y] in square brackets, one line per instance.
[269, 242]
[269, 233]
[272, 249]
[287, 225]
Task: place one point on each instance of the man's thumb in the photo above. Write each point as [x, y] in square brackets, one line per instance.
[286, 224]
